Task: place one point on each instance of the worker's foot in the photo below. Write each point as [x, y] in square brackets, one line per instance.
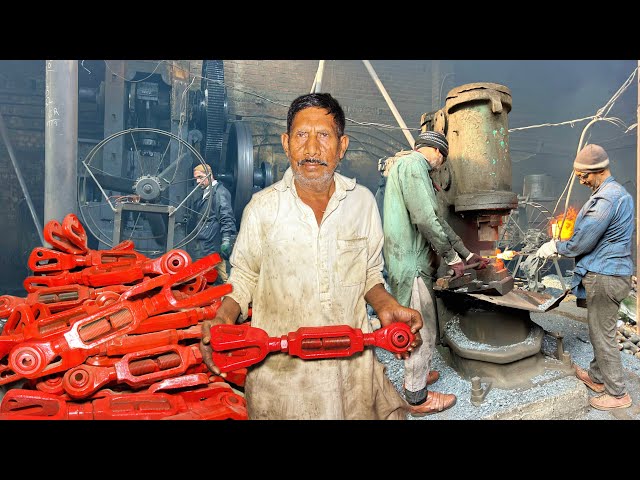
[609, 402]
[583, 375]
[433, 377]
[436, 402]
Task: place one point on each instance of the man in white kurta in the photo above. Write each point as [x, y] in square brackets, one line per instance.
[300, 274]
[309, 254]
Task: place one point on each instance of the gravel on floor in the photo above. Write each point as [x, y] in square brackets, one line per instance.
[568, 320]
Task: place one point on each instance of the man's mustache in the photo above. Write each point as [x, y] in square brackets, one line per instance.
[313, 160]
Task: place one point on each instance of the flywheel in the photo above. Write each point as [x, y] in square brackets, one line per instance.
[137, 184]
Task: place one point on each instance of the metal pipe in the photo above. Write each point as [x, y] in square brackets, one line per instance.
[317, 80]
[25, 191]
[393, 108]
[442, 85]
[61, 139]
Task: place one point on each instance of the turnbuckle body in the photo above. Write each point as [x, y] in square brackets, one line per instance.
[34, 358]
[236, 346]
[44, 259]
[136, 369]
[215, 401]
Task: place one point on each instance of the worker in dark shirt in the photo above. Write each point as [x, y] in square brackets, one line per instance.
[218, 233]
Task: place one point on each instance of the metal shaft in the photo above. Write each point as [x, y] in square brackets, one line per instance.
[61, 139]
[393, 108]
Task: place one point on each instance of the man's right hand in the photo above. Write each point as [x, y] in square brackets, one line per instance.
[481, 261]
[458, 269]
[205, 347]
[227, 313]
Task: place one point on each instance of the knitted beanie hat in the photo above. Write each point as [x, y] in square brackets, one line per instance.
[432, 139]
[591, 158]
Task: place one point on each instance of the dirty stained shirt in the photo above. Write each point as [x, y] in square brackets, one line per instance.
[602, 236]
[296, 273]
[414, 231]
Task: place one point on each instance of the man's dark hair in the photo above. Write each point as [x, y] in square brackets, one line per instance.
[321, 100]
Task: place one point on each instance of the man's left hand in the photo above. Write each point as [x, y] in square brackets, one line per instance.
[411, 317]
[481, 261]
[225, 249]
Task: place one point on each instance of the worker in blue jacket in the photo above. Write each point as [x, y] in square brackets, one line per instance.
[601, 245]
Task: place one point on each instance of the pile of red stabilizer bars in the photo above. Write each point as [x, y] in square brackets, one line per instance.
[112, 334]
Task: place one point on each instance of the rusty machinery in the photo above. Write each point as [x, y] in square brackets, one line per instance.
[148, 124]
[483, 320]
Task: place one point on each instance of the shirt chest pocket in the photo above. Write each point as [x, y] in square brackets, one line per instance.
[352, 261]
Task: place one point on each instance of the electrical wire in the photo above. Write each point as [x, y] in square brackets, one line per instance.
[135, 81]
[601, 115]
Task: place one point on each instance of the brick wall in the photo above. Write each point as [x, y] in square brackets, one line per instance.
[22, 108]
[259, 92]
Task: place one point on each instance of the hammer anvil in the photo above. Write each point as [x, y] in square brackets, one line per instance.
[490, 280]
[496, 280]
[448, 281]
